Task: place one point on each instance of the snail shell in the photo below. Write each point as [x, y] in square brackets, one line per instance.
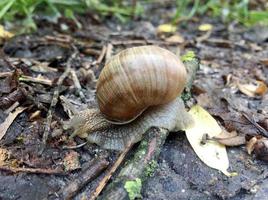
[137, 78]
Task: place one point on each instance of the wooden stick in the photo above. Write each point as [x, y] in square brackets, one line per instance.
[107, 177]
[55, 100]
[109, 52]
[101, 56]
[33, 170]
[94, 169]
[78, 86]
[35, 80]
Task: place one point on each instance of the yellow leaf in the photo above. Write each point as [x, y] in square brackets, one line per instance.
[5, 34]
[166, 28]
[212, 153]
[205, 27]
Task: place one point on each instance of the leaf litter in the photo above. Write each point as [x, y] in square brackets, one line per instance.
[9, 120]
[222, 51]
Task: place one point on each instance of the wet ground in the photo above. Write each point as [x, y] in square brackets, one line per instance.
[230, 55]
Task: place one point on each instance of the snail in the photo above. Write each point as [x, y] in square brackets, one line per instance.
[137, 89]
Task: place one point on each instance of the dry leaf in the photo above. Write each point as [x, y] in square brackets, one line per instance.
[252, 90]
[205, 27]
[4, 155]
[264, 61]
[232, 141]
[225, 134]
[251, 145]
[261, 89]
[166, 28]
[175, 39]
[230, 138]
[211, 153]
[8, 121]
[258, 145]
[5, 34]
[71, 161]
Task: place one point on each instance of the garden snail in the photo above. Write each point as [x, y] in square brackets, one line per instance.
[137, 89]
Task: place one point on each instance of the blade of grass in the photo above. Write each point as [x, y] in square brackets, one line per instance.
[6, 8]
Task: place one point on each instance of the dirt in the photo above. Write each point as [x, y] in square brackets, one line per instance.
[230, 54]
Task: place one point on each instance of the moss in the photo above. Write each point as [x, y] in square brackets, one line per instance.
[150, 168]
[133, 188]
[189, 56]
[186, 96]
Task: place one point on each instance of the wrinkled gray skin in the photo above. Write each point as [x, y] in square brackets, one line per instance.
[91, 124]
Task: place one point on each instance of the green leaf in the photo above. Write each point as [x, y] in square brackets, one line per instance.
[258, 16]
[6, 8]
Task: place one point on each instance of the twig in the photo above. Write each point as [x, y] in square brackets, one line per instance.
[12, 107]
[59, 38]
[255, 124]
[10, 64]
[16, 95]
[107, 177]
[101, 56]
[75, 147]
[141, 42]
[92, 52]
[55, 99]
[128, 42]
[35, 80]
[5, 74]
[32, 170]
[78, 86]
[203, 37]
[109, 52]
[95, 168]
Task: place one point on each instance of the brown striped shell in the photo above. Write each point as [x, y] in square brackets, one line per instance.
[137, 78]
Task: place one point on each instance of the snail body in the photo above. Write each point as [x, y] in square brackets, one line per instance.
[137, 89]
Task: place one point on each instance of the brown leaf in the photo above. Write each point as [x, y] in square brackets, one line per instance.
[232, 141]
[252, 90]
[261, 89]
[261, 149]
[264, 61]
[259, 145]
[8, 83]
[71, 161]
[225, 135]
[230, 138]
